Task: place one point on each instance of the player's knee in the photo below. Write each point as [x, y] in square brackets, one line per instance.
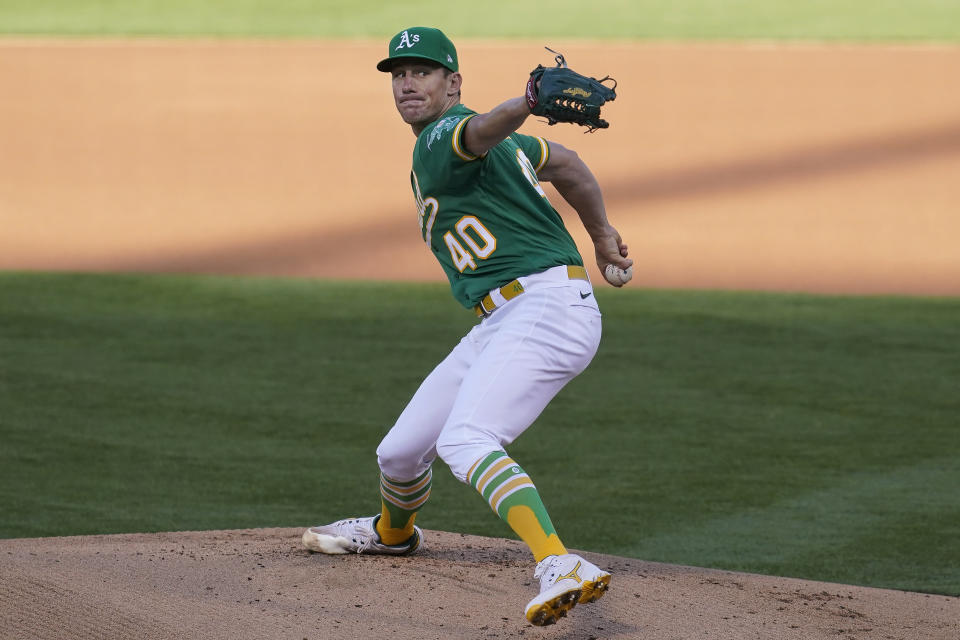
[393, 465]
[400, 462]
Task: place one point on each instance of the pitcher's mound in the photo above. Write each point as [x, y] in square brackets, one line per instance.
[261, 583]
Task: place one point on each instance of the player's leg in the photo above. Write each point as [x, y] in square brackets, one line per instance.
[530, 349]
[406, 453]
[528, 354]
[405, 456]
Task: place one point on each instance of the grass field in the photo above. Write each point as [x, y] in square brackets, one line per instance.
[783, 434]
[844, 20]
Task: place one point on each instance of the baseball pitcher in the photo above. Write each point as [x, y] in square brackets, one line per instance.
[483, 213]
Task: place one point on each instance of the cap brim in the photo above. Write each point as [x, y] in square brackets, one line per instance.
[387, 63]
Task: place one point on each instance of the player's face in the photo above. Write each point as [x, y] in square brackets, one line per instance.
[422, 92]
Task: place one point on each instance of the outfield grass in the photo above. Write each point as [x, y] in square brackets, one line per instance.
[793, 435]
[846, 20]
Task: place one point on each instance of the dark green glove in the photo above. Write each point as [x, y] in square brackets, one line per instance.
[563, 95]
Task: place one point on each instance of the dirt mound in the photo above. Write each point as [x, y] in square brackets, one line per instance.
[261, 583]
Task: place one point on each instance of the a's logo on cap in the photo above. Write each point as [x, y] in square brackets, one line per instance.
[407, 41]
[449, 59]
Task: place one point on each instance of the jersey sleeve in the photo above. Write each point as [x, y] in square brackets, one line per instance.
[535, 148]
[440, 149]
[456, 141]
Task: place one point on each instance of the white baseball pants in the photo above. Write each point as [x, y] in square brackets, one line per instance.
[498, 379]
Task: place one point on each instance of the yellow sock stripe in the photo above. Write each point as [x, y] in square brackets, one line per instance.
[405, 490]
[407, 506]
[509, 488]
[473, 468]
[482, 464]
[492, 473]
[407, 498]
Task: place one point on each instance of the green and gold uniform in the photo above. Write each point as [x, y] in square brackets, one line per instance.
[502, 245]
[486, 219]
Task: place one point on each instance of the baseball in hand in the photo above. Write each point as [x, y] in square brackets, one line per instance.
[617, 276]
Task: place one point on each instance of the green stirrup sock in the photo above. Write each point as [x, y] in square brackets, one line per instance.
[512, 495]
[399, 504]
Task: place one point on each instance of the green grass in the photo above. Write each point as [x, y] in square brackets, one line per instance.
[793, 435]
[846, 20]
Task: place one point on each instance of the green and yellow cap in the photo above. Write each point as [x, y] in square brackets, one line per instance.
[421, 42]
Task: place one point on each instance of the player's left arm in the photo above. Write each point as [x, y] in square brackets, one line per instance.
[577, 185]
[484, 131]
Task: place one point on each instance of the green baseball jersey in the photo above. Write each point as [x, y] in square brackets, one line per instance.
[486, 219]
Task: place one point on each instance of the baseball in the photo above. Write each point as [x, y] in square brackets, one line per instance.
[617, 276]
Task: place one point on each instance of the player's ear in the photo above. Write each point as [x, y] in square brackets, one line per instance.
[454, 82]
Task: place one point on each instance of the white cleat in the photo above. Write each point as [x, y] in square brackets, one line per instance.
[565, 581]
[356, 535]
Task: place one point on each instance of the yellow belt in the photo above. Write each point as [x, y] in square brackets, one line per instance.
[511, 290]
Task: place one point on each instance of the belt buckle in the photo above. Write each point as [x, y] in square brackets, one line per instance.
[481, 309]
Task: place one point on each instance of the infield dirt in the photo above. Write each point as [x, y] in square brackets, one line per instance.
[812, 168]
[256, 584]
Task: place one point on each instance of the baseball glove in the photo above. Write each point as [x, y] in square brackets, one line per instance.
[563, 95]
